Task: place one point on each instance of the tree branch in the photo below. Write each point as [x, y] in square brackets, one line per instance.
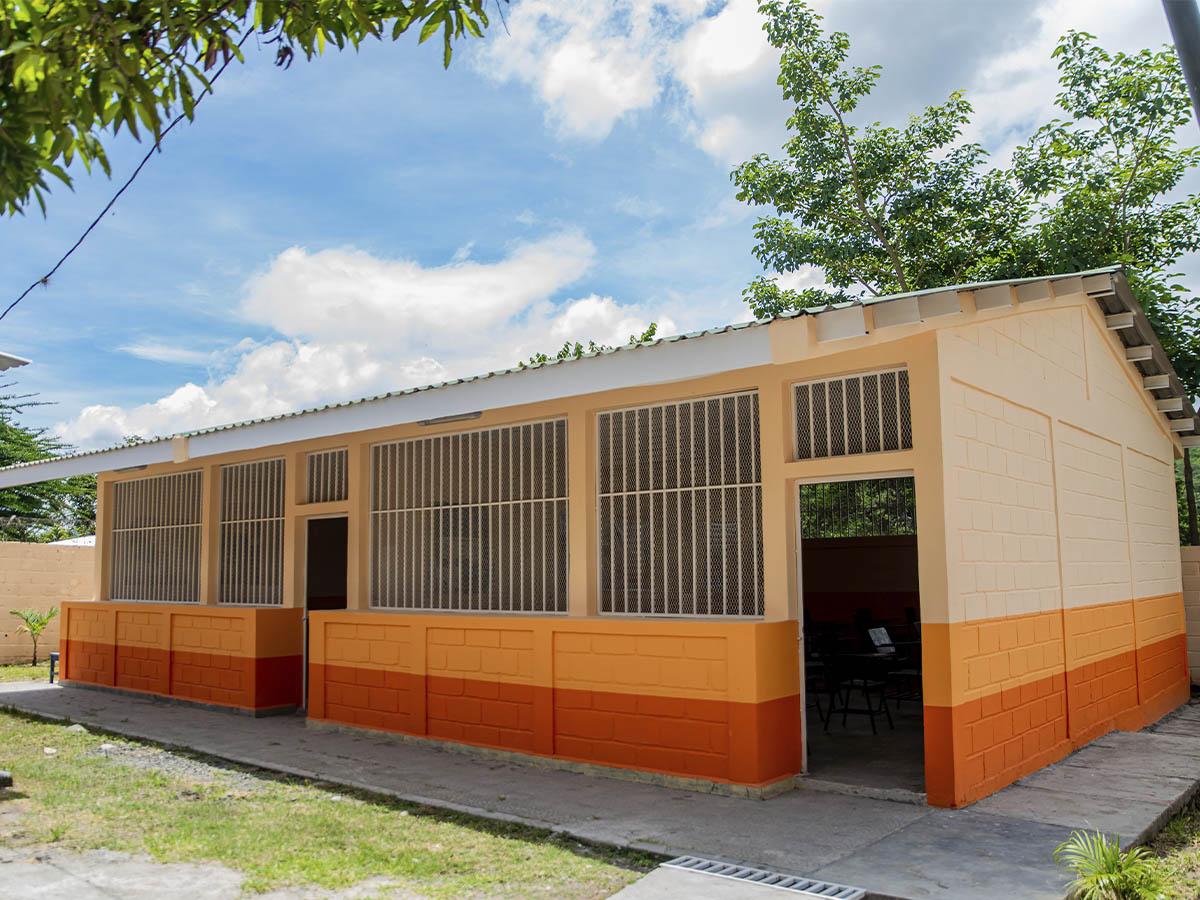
[45, 279]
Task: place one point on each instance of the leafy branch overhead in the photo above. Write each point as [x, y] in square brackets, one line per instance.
[73, 73]
[879, 209]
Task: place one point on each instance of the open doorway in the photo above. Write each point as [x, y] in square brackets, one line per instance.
[325, 573]
[861, 605]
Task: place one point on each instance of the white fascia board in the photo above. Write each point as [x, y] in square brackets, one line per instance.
[134, 456]
[677, 361]
[667, 362]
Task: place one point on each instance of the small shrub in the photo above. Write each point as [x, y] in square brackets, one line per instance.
[33, 623]
[1103, 871]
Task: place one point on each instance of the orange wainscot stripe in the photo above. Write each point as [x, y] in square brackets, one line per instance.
[1102, 671]
[978, 747]
[743, 743]
[242, 657]
[1163, 681]
[703, 699]
[1008, 696]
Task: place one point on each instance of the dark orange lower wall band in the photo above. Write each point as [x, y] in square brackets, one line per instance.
[222, 679]
[742, 743]
[976, 748]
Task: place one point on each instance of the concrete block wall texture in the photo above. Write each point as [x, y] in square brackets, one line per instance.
[39, 576]
[243, 657]
[707, 700]
[1065, 608]
[1191, 604]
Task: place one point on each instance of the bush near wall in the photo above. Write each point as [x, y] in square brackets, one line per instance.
[39, 576]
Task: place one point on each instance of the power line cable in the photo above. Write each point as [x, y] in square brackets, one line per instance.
[115, 197]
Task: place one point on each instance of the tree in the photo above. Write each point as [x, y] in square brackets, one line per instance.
[33, 623]
[577, 350]
[73, 73]
[885, 210]
[48, 510]
[878, 209]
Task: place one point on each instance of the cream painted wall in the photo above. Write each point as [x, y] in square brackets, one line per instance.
[1051, 448]
[39, 576]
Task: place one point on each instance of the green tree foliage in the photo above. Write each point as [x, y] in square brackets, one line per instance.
[872, 507]
[49, 510]
[33, 623]
[578, 350]
[878, 209]
[884, 210]
[73, 73]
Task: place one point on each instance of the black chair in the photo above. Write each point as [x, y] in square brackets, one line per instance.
[861, 674]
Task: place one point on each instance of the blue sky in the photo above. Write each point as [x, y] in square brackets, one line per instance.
[367, 222]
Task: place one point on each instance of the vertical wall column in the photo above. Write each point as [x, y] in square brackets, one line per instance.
[294, 535]
[104, 523]
[210, 537]
[780, 588]
[581, 514]
[358, 526]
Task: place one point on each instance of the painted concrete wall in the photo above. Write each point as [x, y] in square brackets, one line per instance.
[717, 701]
[39, 576]
[1191, 605]
[1065, 615]
[244, 657]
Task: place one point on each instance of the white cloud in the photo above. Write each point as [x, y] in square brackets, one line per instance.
[638, 207]
[729, 72]
[166, 352]
[591, 64]
[350, 324]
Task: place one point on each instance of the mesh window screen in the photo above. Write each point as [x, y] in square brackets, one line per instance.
[680, 503]
[472, 521]
[252, 533]
[325, 479]
[156, 538]
[853, 414]
[873, 507]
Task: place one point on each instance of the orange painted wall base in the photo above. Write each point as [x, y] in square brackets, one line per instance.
[703, 700]
[1119, 666]
[248, 658]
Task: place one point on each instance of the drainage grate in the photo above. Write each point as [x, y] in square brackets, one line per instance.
[806, 887]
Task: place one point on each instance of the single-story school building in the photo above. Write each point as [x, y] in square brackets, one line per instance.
[932, 533]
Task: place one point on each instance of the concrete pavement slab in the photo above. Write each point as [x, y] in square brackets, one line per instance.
[1120, 817]
[103, 875]
[1087, 783]
[958, 854]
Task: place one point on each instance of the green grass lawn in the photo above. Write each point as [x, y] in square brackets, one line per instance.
[40, 672]
[1177, 849]
[176, 808]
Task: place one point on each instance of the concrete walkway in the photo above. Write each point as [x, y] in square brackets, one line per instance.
[1125, 784]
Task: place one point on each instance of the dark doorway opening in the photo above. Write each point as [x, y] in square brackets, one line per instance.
[862, 633]
[325, 575]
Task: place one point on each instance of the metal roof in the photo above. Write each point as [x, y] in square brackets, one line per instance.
[8, 361]
[1107, 285]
